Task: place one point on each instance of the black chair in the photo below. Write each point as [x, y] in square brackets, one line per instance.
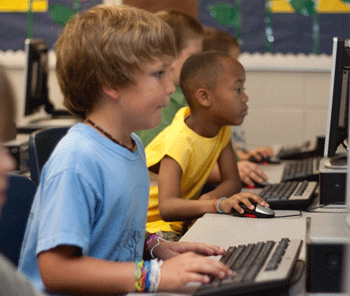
[40, 146]
[14, 215]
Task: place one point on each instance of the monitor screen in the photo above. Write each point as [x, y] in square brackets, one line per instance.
[36, 94]
[338, 106]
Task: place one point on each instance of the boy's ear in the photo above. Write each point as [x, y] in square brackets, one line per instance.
[203, 97]
[111, 92]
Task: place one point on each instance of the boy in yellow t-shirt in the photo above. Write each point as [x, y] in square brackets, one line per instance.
[182, 156]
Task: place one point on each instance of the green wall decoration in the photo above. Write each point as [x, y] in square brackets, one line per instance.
[307, 8]
[269, 38]
[228, 15]
[59, 13]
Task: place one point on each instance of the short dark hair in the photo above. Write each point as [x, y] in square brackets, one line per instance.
[200, 70]
[184, 26]
[218, 40]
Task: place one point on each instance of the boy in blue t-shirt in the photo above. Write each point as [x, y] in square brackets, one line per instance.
[86, 232]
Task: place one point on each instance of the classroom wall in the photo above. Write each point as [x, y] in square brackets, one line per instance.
[288, 98]
[288, 95]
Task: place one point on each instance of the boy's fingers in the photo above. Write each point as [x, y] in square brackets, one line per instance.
[208, 250]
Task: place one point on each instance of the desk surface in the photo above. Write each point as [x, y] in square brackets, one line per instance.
[227, 230]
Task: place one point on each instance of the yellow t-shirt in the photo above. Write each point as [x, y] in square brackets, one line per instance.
[196, 156]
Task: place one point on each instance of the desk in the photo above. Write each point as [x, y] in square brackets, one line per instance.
[226, 230]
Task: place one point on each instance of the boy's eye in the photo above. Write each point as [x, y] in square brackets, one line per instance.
[239, 89]
[159, 74]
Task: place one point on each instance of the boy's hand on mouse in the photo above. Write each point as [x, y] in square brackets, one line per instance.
[246, 198]
[249, 172]
[190, 267]
[261, 153]
[168, 249]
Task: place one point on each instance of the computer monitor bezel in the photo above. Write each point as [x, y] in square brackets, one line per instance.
[337, 134]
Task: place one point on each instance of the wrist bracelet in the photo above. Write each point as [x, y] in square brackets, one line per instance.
[138, 275]
[218, 203]
[156, 245]
[214, 204]
[155, 275]
[150, 238]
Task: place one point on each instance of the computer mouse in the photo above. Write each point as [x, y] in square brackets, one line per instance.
[258, 212]
[260, 185]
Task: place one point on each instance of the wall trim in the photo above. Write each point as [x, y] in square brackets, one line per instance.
[251, 62]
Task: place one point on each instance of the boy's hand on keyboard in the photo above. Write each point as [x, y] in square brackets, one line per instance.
[190, 267]
[167, 249]
[243, 197]
[249, 172]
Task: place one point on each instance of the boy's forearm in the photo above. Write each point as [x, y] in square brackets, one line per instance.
[227, 188]
[86, 275]
[178, 209]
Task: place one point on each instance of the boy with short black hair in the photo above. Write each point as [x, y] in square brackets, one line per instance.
[86, 232]
[182, 156]
[222, 41]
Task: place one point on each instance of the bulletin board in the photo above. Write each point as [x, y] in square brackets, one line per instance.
[45, 19]
[280, 26]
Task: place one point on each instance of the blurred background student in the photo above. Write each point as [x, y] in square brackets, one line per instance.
[11, 281]
[189, 40]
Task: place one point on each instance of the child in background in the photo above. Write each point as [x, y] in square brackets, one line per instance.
[86, 232]
[188, 39]
[224, 42]
[12, 283]
[182, 156]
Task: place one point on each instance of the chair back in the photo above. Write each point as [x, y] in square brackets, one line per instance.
[14, 215]
[40, 146]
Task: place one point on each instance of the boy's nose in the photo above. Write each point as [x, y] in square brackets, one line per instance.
[245, 97]
[171, 87]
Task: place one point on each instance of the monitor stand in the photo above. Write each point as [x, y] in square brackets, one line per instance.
[339, 162]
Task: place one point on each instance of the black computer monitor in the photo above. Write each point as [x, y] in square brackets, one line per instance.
[37, 73]
[338, 107]
[37, 93]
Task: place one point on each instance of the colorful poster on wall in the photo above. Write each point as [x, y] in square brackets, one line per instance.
[42, 19]
[23, 5]
[280, 26]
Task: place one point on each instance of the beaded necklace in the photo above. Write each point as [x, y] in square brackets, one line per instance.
[133, 149]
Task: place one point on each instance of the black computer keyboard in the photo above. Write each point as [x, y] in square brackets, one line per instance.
[302, 169]
[256, 267]
[303, 150]
[289, 195]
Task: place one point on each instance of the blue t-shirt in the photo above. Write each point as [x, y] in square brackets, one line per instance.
[94, 195]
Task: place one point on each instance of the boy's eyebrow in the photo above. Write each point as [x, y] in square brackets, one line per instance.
[167, 64]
